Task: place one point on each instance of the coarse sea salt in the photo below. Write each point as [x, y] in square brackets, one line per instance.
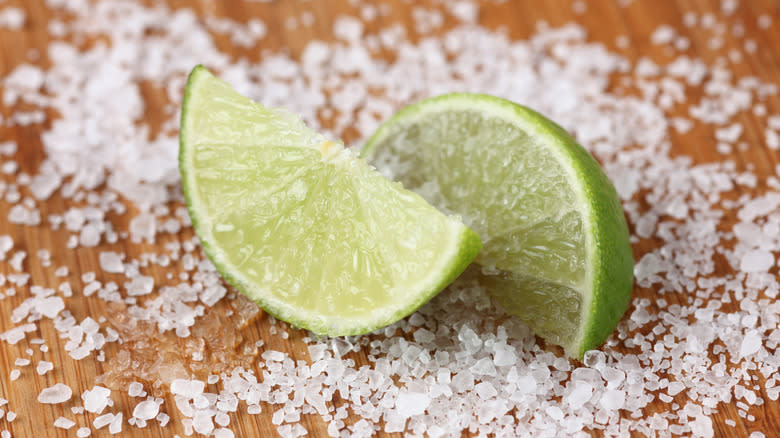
[59, 393]
[453, 355]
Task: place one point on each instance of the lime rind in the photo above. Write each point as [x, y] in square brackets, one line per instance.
[461, 248]
[608, 279]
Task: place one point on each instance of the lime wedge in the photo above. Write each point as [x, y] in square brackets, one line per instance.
[303, 226]
[556, 248]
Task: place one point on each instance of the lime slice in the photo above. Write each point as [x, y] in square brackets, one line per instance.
[556, 247]
[303, 226]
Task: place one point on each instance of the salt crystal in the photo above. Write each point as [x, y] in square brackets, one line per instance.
[772, 139]
[222, 419]
[6, 244]
[83, 432]
[554, 412]
[96, 399]
[675, 388]
[273, 355]
[12, 18]
[146, 410]
[14, 375]
[58, 393]
[202, 422]
[504, 356]
[485, 390]
[348, 28]
[756, 261]
[751, 343]
[136, 389]
[44, 367]
[580, 395]
[111, 262]
[64, 423]
[163, 418]
[90, 235]
[484, 367]
[465, 11]
[17, 259]
[103, 421]
[702, 427]
[409, 404]
[140, 285]
[613, 399]
[115, 426]
[187, 388]
[663, 35]
[50, 307]
[223, 433]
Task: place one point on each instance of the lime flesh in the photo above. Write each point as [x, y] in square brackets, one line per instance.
[303, 226]
[555, 242]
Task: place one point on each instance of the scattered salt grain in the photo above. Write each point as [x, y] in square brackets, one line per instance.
[44, 367]
[756, 261]
[162, 418]
[102, 421]
[96, 399]
[59, 393]
[12, 18]
[136, 389]
[751, 343]
[64, 423]
[409, 404]
[187, 388]
[223, 433]
[83, 432]
[111, 262]
[146, 410]
[140, 285]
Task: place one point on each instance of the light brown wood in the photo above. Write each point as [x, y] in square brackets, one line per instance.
[604, 21]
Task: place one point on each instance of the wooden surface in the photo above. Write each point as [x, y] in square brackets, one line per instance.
[604, 21]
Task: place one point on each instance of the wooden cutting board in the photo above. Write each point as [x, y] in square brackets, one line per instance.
[613, 23]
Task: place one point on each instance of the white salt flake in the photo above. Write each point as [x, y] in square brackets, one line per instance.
[12, 18]
[146, 410]
[96, 399]
[751, 343]
[409, 404]
[59, 393]
[223, 433]
[111, 262]
[50, 307]
[187, 388]
[613, 399]
[756, 261]
[44, 367]
[140, 285]
[115, 426]
[103, 420]
[64, 423]
[136, 389]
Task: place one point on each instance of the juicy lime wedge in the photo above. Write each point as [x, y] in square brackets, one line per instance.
[303, 226]
[556, 247]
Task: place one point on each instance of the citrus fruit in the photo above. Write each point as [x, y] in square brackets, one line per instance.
[556, 248]
[303, 226]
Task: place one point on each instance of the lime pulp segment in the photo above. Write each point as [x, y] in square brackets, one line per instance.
[303, 226]
[555, 242]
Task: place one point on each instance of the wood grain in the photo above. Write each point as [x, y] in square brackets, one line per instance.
[604, 21]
